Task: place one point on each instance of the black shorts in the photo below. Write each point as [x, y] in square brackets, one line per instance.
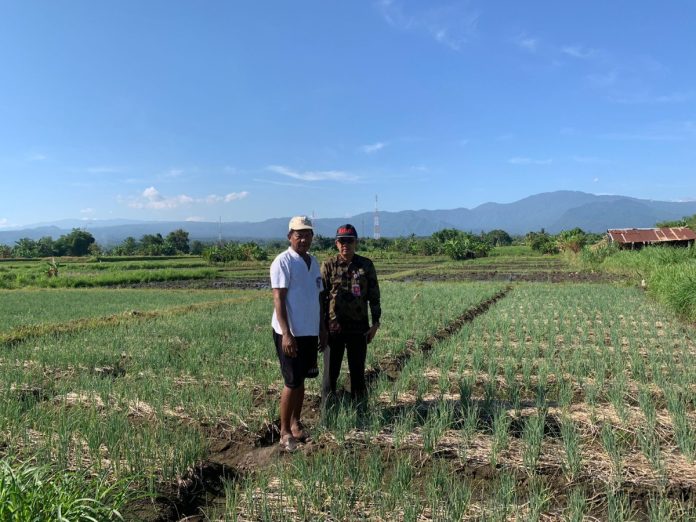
[294, 369]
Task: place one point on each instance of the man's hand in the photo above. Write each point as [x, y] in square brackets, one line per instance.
[371, 332]
[289, 345]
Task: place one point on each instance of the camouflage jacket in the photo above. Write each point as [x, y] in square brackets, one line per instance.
[348, 288]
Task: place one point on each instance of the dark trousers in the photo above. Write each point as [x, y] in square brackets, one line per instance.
[356, 344]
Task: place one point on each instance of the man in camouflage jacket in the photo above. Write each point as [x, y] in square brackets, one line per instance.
[350, 288]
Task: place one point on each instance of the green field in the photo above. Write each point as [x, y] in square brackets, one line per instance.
[505, 388]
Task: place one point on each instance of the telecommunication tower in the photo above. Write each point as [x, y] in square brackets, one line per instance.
[376, 233]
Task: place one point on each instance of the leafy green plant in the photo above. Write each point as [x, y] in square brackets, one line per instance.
[39, 493]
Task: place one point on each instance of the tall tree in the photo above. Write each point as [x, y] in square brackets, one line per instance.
[76, 243]
[25, 247]
[152, 244]
[179, 240]
[46, 246]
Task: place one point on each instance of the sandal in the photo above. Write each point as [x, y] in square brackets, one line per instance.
[304, 434]
[288, 443]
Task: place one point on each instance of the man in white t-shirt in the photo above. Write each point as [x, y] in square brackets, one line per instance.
[297, 329]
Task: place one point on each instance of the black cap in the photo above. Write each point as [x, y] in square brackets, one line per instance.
[346, 230]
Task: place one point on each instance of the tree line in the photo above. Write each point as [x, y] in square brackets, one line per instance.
[451, 242]
[80, 243]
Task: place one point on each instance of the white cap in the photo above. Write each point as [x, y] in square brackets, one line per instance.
[300, 223]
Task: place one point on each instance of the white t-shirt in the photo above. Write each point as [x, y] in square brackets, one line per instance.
[289, 270]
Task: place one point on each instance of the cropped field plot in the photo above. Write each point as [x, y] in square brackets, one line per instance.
[150, 395]
[22, 308]
[561, 402]
[494, 400]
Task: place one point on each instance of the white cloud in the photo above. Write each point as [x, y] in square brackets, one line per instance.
[194, 218]
[4, 222]
[173, 173]
[234, 196]
[326, 175]
[151, 198]
[37, 157]
[452, 25]
[87, 211]
[370, 149]
[595, 180]
[579, 52]
[280, 183]
[527, 43]
[529, 161]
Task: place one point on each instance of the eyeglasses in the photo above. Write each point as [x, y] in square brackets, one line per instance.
[346, 240]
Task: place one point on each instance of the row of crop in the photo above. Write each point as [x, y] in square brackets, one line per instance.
[130, 399]
[618, 411]
[549, 430]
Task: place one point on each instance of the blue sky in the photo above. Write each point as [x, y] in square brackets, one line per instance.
[176, 110]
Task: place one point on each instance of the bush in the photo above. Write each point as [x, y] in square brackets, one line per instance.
[460, 245]
[542, 242]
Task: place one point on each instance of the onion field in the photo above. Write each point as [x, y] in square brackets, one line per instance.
[490, 398]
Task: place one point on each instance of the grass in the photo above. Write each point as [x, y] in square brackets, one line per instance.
[668, 272]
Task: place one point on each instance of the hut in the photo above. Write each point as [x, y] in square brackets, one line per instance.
[636, 238]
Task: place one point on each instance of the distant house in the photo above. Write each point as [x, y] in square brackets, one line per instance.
[635, 238]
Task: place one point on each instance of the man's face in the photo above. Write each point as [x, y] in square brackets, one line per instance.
[346, 246]
[300, 240]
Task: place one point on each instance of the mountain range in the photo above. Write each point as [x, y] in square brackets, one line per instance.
[552, 211]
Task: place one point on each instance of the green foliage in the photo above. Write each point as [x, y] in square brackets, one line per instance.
[197, 248]
[571, 240]
[76, 243]
[542, 242]
[593, 256]
[152, 245]
[35, 494]
[687, 221]
[178, 240]
[460, 245]
[668, 272]
[235, 252]
[25, 247]
[497, 238]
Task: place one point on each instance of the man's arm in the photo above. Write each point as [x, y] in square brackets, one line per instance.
[289, 343]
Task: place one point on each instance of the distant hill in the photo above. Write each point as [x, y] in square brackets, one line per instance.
[552, 211]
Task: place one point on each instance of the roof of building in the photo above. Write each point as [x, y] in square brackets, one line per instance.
[651, 235]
